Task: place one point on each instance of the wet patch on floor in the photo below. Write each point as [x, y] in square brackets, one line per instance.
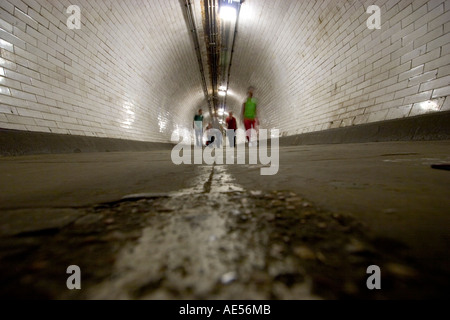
[212, 241]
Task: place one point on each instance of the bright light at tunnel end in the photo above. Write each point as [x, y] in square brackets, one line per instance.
[228, 13]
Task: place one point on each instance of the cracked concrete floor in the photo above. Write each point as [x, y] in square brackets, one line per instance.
[226, 232]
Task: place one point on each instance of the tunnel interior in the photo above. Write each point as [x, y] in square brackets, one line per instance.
[94, 95]
[132, 70]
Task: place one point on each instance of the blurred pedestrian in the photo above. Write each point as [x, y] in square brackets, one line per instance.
[249, 113]
[231, 125]
[210, 135]
[198, 127]
[217, 130]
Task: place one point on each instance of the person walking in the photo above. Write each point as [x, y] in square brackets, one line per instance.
[217, 130]
[231, 125]
[249, 113]
[210, 136]
[198, 127]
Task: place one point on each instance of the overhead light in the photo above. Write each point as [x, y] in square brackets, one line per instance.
[222, 91]
[228, 13]
[222, 113]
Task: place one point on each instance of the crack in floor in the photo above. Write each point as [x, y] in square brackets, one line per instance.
[191, 254]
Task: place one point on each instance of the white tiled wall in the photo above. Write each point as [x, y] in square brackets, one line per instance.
[130, 71]
[316, 65]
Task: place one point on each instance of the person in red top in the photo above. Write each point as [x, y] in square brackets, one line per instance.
[231, 125]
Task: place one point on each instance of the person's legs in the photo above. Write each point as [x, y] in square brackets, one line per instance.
[198, 137]
[254, 127]
[209, 140]
[249, 124]
[231, 138]
[231, 134]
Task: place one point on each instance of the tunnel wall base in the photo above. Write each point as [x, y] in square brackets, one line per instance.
[17, 143]
[433, 126]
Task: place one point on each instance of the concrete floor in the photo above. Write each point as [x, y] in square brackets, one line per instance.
[389, 188]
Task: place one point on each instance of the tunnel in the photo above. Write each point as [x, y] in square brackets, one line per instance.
[336, 187]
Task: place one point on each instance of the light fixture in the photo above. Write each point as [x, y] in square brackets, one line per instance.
[228, 13]
[222, 91]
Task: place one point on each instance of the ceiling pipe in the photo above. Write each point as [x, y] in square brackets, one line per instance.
[193, 29]
[213, 46]
[232, 49]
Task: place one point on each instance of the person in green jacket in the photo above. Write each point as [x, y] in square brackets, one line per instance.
[249, 113]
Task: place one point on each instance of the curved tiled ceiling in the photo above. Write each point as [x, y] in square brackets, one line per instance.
[131, 71]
